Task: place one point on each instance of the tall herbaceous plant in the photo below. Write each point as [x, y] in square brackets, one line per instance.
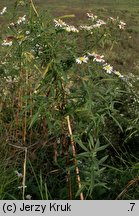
[66, 112]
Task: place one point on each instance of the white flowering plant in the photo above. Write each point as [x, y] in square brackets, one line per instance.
[65, 102]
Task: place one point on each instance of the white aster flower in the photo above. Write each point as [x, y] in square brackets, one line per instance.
[37, 45]
[85, 27]
[118, 74]
[101, 22]
[20, 187]
[10, 79]
[3, 63]
[99, 58]
[81, 60]
[112, 19]
[91, 16]
[21, 20]
[28, 197]
[71, 29]
[92, 54]
[97, 25]
[62, 24]
[122, 25]
[27, 32]
[11, 25]
[4, 10]
[108, 68]
[7, 43]
[19, 175]
[59, 23]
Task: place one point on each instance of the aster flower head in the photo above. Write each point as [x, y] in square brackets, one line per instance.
[97, 25]
[69, 28]
[5, 43]
[92, 54]
[122, 25]
[101, 22]
[19, 175]
[118, 74]
[112, 19]
[108, 68]
[27, 32]
[21, 20]
[28, 197]
[59, 23]
[83, 59]
[91, 16]
[85, 27]
[12, 25]
[4, 10]
[21, 187]
[99, 58]
[8, 41]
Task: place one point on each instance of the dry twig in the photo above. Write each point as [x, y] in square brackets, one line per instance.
[130, 183]
[74, 156]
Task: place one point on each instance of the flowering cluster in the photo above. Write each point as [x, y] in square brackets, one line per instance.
[21, 20]
[121, 24]
[100, 59]
[96, 23]
[69, 28]
[9, 40]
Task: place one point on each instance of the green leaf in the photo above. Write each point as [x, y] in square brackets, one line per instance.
[101, 148]
[34, 119]
[97, 144]
[81, 189]
[91, 142]
[116, 122]
[82, 145]
[101, 161]
[66, 16]
[101, 185]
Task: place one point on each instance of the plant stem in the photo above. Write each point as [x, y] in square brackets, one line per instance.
[74, 156]
[24, 174]
[34, 8]
[131, 183]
